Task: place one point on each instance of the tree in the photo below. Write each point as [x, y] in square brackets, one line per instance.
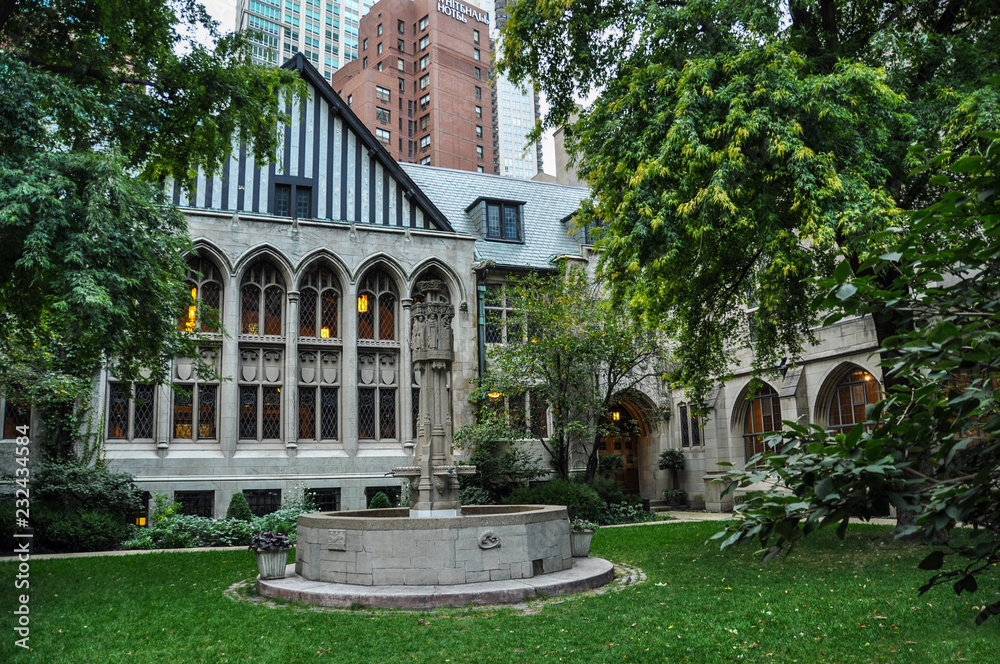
[568, 349]
[497, 451]
[933, 448]
[100, 102]
[738, 149]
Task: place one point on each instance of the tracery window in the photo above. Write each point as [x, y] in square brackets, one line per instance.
[259, 405]
[262, 301]
[319, 304]
[763, 416]
[130, 411]
[689, 424]
[378, 358]
[851, 397]
[195, 414]
[205, 287]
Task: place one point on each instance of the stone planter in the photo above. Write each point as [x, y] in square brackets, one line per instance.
[579, 542]
[271, 564]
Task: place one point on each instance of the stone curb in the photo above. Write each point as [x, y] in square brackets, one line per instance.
[587, 574]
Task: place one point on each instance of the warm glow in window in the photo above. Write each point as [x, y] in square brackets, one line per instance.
[362, 303]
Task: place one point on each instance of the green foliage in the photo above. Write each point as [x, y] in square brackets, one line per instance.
[672, 459]
[163, 508]
[935, 455]
[579, 499]
[475, 495]
[625, 512]
[102, 100]
[738, 149]
[700, 593]
[67, 498]
[498, 452]
[239, 508]
[179, 531]
[581, 357]
[609, 490]
[379, 501]
[85, 530]
[610, 465]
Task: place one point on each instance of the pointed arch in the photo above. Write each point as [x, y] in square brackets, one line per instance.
[456, 288]
[382, 260]
[848, 388]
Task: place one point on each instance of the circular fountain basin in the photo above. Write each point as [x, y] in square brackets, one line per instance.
[388, 547]
[385, 558]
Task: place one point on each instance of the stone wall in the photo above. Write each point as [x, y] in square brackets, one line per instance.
[386, 547]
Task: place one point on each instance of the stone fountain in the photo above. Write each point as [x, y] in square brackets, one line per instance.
[435, 553]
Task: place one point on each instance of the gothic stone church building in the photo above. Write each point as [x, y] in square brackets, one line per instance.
[313, 263]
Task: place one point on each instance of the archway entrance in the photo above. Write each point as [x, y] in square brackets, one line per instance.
[628, 431]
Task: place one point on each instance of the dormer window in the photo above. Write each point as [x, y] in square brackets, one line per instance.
[503, 221]
[500, 220]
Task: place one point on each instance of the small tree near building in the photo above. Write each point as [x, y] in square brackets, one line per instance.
[574, 353]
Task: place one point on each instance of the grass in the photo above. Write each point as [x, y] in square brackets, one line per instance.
[831, 601]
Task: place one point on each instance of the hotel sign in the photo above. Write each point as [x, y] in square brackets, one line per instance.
[459, 12]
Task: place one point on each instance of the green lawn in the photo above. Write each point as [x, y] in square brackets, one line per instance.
[832, 601]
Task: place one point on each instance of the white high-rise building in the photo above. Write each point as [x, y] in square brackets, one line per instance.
[515, 111]
[324, 31]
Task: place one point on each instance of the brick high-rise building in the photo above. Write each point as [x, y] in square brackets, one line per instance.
[421, 82]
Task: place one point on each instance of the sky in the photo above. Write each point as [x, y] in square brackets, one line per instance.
[224, 11]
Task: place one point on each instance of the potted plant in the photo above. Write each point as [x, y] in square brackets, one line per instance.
[581, 532]
[272, 553]
[675, 496]
[672, 459]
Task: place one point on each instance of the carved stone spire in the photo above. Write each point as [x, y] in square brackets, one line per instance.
[434, 477]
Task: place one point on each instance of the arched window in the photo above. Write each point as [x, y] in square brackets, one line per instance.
[205, 286]
[319, 304]
[378, 359]
[377, 308]
[850, 398]
[262, 300]
[763, 416]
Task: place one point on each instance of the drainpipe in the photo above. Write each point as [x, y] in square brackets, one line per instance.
[481, 326]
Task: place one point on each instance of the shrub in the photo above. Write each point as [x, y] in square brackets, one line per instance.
[580, 500]
[239, 508]
[672, 459]
[609, 490]
[85, 530]
[81, 508]
[379, 501]
[625, 513]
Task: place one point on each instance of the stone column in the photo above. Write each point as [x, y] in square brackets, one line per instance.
[290, 399]
[228, 390]
[349, 372]
[406, 384]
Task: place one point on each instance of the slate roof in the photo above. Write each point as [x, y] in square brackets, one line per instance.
[547, 207]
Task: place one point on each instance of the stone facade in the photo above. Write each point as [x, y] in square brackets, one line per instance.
[312, 263]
